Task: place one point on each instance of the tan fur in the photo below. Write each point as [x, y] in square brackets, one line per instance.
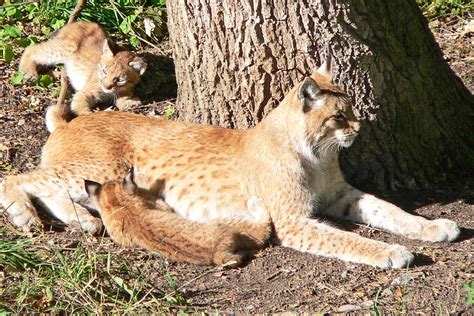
[207, 173]
[131, 222]
[96, 73]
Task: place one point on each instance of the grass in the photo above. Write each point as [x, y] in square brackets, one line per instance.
[39, 276]
[439, 9]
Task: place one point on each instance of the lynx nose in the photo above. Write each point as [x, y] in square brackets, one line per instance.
[108, 85]
[355, 126]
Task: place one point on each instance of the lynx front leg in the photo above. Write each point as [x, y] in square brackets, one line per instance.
[53, 188]
[126, 103]
[18, 206]
[311, 236]
[366, 208]
[82, 102]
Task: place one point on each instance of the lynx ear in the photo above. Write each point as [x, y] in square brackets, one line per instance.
[106, 51]
[138, 64]
[93, 188]
[325, 68]
[310, 95]
[129, 182]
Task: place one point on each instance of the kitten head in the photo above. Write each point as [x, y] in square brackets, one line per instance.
[119, 73]
[326, 112]
[111, 192]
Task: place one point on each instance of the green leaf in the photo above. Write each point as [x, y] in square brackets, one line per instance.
[44, 81]
[169, 112]
[58, 24]
[45, 29]
[12, 31]
[134, 41]
[124, 27]
[7, 53]
[24, 42]
[17, 79]
[120, 282]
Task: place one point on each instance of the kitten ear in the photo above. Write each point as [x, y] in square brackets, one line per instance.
[138, 64]
[106, 51]
[129, 182]
[326, 68]
[93, 188]
[310, 94]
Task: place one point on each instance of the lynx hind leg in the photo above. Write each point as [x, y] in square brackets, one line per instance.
[46, 53]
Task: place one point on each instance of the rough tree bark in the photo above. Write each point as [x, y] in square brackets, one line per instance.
[235, 60]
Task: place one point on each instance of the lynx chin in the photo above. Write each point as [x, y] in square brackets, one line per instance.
[207, 173]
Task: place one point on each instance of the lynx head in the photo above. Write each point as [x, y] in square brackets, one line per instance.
[112, 192]
[326, 112]
[119, 73]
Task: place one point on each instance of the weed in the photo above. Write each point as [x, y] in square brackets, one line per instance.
[54, 279]
[469, 287]
[169, 112]
[434, 9]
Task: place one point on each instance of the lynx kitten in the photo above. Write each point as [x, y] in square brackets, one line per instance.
[289, 160]
[96, 73]
[131, 222]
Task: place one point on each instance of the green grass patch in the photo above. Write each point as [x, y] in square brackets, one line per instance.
[435, 9]
[39, 278]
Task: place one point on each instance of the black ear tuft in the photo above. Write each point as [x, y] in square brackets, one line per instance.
[309, 94]
[139, 65]
[129, 181]
[92, 188]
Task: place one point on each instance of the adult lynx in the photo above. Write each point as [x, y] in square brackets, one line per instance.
[289, 160]
[96, 73]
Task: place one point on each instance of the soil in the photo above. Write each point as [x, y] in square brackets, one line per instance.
[281, 279]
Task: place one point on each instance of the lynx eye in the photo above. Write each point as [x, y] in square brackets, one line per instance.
[339, 117]
[121, 80]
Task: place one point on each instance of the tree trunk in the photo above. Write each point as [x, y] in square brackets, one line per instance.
[235, 60]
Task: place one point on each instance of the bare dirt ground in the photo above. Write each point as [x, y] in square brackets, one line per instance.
[280, 279]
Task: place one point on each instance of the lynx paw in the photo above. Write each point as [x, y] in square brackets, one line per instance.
[257, 209]
[124, 104]
[24, 218]
[395, 257]
[29, 72]
[91, 225]
[440, 230]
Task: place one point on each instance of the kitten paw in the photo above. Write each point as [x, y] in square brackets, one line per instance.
[92, 225]
[29, 72]
[124, 104]
[440, 230]
[395, 257]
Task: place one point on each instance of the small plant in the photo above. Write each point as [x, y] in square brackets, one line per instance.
[169, 112]
[469, 287]
[434, 9]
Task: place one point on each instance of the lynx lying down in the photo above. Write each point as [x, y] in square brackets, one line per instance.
[207, 173]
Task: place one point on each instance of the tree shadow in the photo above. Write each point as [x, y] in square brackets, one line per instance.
[158, 83]
[421, 260]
